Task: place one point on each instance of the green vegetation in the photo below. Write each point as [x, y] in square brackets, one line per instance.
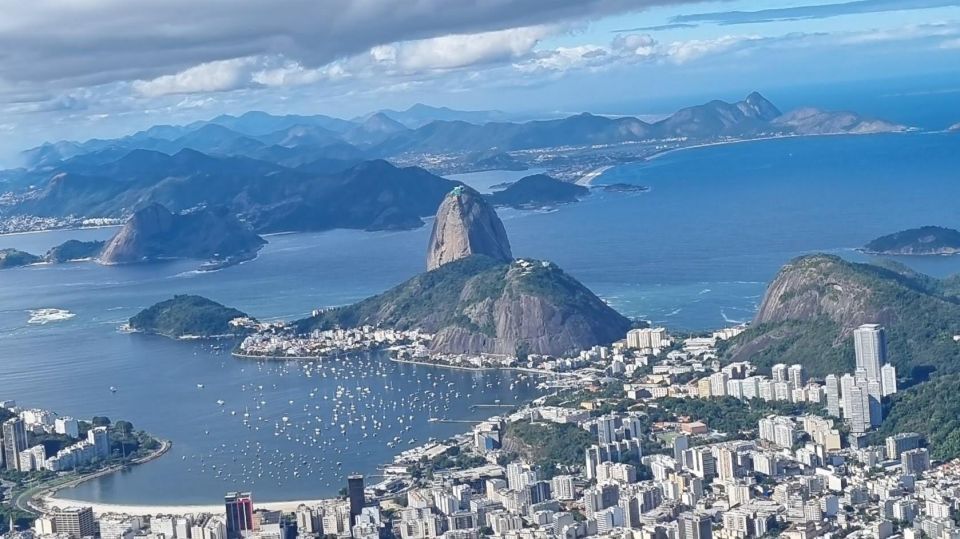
[917, 241]
[550, 445]
[462, 294]
[187, 316]
[725, 414]
[812, 343]
[12, 258]
[429, 300]
[932, 409]
[816, 302]
[823, 298]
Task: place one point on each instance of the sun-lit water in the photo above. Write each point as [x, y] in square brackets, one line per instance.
[694, 252]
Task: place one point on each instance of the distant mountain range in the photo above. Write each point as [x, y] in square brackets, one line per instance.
[293, 140]
[293, 172]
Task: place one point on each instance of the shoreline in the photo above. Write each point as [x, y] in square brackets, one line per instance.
[661, 153]
[481, 369]
[64, 229]
[175, 509]
[45, 496]
[587, 179]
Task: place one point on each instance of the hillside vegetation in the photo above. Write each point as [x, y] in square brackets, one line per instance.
[186, 316]
[812, 307]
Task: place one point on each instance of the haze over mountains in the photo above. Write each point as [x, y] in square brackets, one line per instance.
[293, 172]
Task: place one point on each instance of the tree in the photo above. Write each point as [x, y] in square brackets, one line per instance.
[100, 421]
[124, 427]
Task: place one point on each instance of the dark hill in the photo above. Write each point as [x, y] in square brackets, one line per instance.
[187, 316]
[536, 191]
[926, 240]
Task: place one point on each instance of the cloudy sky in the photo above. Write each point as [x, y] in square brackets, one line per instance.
[75, 69]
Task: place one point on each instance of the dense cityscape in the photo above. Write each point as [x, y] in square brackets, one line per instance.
[608, 453]
[479, 269]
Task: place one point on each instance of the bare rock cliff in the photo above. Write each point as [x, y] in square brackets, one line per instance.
[154, 233]
[466, 225]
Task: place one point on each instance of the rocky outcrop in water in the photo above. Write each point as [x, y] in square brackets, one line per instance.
[154, 233]
[466, 225]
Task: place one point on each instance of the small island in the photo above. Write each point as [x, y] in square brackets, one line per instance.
[12, 258]
[923, 241]
[537, 191]
[74, 250]
[624, 188]
[191, 317]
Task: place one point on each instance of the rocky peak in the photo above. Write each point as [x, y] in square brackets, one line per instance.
[757, 106]
[466, 225]
[153, 232]
[825, 287]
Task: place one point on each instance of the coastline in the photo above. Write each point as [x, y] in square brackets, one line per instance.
[64, 229]
[481, 369]
[587, 179]
[662, 153]
[41, 497]
[142, 510]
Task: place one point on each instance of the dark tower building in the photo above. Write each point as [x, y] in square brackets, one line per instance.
[355, 495]
[239, 514]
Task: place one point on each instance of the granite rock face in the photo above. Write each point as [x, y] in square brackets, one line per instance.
[466, 225]
[154, 233]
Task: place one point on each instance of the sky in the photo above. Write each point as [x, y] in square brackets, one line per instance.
[80, 69]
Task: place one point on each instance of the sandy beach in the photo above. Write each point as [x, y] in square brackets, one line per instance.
[587, 179]
[135, 510]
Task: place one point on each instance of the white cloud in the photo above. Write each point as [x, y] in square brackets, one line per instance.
[565, 59]
[685, 51]
[215, 76]
[461, 50]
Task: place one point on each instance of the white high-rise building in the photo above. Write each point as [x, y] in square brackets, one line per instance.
[718, 384]
[796, 376]
[647, 338]
[779, 372]
[888, 379]
[847, 383]
[562, 487]
[857, 405]
[870, 345]
[832, 384]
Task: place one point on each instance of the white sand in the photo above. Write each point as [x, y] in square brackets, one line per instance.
[134, 510]
[588, 178]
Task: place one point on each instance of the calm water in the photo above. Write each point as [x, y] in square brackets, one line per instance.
[694, 252]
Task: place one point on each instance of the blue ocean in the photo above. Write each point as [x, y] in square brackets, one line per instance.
[693, 253]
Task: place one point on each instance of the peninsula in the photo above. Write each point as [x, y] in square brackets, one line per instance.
[926, 240]
[186, 316]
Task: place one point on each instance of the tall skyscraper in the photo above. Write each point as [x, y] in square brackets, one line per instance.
[355, 495]
[888, 379]
[832, 384]
[870, 345]
[14, 441]
[239, 507]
